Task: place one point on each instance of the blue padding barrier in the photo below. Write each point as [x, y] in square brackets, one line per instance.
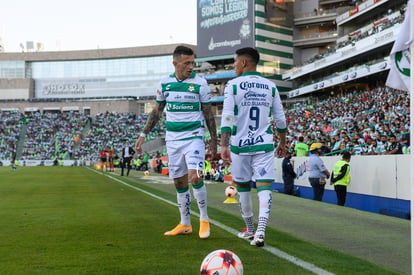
[380, 205]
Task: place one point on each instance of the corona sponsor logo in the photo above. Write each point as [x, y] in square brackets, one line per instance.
[249, 85]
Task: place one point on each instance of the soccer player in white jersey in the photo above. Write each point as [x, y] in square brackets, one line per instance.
[251, 104]
[187, 101]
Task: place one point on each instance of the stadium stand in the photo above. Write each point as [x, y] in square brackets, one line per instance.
[354, 117]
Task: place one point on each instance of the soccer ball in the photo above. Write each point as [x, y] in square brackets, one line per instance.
[146, 173]
[230, 191]
[220, 262]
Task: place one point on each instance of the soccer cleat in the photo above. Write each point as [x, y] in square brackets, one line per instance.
[204, 232]
[246, 234]
[180, 229]
[258, 241]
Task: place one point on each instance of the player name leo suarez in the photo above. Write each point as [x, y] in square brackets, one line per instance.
[254, 103]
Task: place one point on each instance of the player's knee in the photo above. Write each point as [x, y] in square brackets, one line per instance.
[195, 178]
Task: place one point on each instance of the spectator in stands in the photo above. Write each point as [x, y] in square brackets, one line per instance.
[404, 139]
[335, 144]
[394, 146]
[382, 145]
[325, 150]
[372, 147]
[301, 148]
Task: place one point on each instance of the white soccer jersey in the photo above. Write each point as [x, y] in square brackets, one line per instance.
[183, 100]
[250, 100]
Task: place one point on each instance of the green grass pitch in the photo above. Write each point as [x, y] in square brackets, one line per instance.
[74, 220]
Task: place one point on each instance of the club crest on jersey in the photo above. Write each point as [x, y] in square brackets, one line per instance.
[191, 88]
[250, 141]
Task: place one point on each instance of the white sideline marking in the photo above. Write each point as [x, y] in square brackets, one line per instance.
[273, 250]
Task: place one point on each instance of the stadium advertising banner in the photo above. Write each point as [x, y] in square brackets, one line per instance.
[224, 26]
[93, 87]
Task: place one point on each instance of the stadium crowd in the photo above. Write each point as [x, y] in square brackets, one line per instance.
[68, 135]
[10, 130]
[113, 130]
[379, 24]
[362, 122]
[51, 135]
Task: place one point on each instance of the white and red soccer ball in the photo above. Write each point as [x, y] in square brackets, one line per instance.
[221, 262]
[230, 191]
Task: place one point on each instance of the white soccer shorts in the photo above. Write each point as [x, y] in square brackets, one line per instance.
[184, 155]
[253, 167]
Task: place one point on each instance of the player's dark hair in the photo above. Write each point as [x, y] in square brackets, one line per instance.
[251, 53]
[182, 50]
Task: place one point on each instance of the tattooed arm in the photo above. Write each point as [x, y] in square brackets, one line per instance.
[211, 125]
[153, 119]
[225, 150]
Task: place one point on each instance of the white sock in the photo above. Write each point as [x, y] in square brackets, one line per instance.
[200, 195]
[265, 204]
[246, 209]
[184, 201]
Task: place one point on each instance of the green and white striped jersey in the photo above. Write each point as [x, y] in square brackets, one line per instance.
[184, 117]
[251, 102]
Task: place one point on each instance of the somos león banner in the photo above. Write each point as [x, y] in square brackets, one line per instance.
[224, 26]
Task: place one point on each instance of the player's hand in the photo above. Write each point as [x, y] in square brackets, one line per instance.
[225, 155]
[281, 151]
[138, 145]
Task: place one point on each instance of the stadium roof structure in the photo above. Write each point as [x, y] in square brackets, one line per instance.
[94, 80]
[93, 54]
